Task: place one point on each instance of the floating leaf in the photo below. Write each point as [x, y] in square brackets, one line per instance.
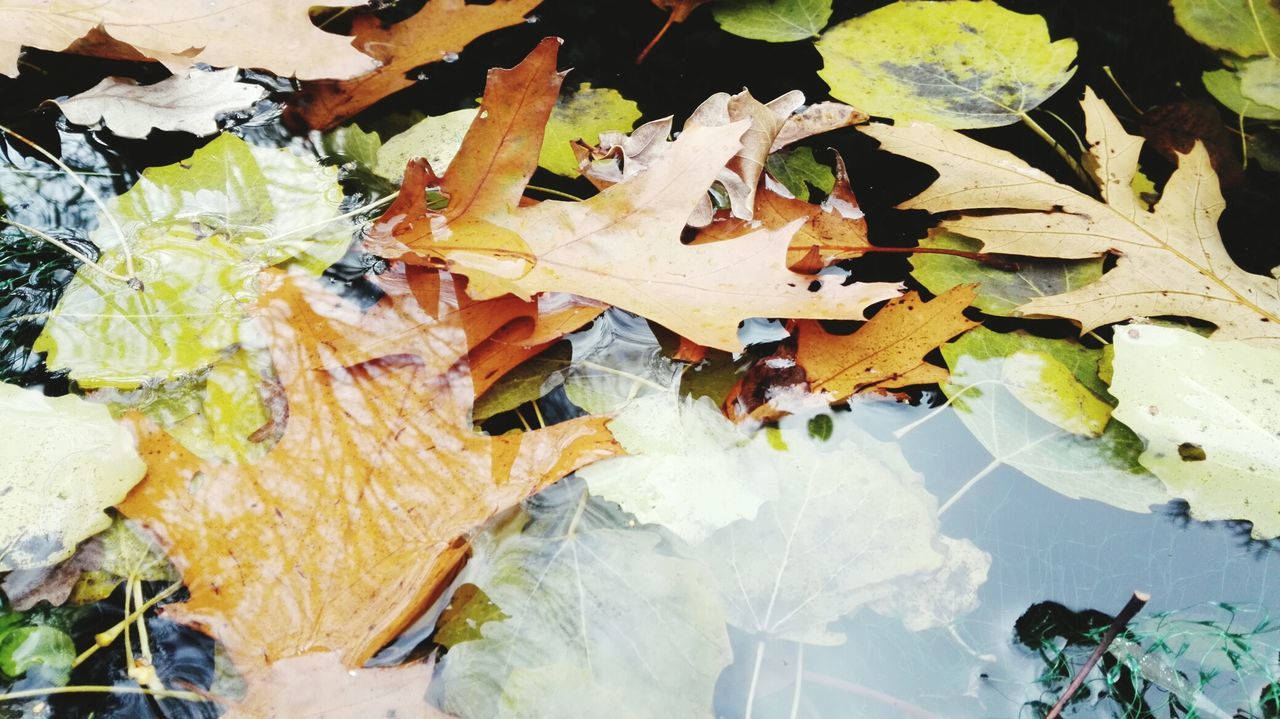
[182, 103]
[64, 461]
[1244, 27]
[435, 138]
[955, 64]
[798, 169]
[1260, 81]
[1000, 292]
[584, 114]
[1224, 85]
[1105, 469]
[773, 20]
[600, 615]
[199, 231]
[1207, 409]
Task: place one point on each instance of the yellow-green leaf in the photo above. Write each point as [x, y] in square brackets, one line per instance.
[773, 20]
[955, 64]
[584, 114]
[1244, 27]
[435, 138]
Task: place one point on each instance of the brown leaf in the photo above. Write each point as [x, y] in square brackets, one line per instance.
[1173, 128]
[440, 28]
[358, 517]
[622, 246]
[814, 120]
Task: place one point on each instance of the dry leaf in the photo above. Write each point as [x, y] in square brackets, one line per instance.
[1171, 259]
[181, 103]
[356, 519]
[277, 36]
[438, 31]
[814, 120]
[621, 246]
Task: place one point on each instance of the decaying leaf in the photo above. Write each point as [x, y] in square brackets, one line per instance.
[1010, 406]
[63, 462]
[438, 31]
[276, 36]
[957, 64]
[622, 246]
[600, 616]
[1171, 259]
[182, 103]
[198, 232]
[337, 538]
[1208, 412]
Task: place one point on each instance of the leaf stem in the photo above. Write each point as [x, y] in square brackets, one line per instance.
[1110, 75]
[1058, 148]
[105, 638]
[795, 696]
[551, 191]
[93, 195]
[1130, 610]
[84, 259]
[103, 689]
[671, 18]
[755, 679]
[316, 225]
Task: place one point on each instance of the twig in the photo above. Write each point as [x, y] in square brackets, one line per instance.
[1131, 609]
[671, 18]
[1072, 162]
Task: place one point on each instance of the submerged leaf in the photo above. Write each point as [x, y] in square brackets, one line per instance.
[63, 462]
[1208, 410]
[1244, 27]
[955, 64]
[603, 621]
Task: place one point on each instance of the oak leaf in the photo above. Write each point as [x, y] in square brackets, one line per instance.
[277, 36]
[622, 246]
[356, 519]
[437, 32]
[1171, 259]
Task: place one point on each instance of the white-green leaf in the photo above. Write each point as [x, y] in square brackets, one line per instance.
[182, 103]
[773, 20]
[62, 463]
[1210, 413]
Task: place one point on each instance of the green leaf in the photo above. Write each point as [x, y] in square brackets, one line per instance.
[1000, 292]
[773, 20]
[1224, 85]
[603, 621]
[1208, 410]
[1244, 27]
[435, 138]
[199, 232]
[45, 649]
[463, 619]
[352, 144]
[527, 383]
[63, 462]
[583, 115]
[852, 528]
[122, 551]
[683, 470]
[1104, 469]
[1260, 81]
[797, 169]
[955, 64]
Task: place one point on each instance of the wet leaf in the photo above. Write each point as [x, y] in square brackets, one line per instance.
[799, 169]
[600, 614]
[322, 686]
[64, 461]
[43, 648]
[527, 383]
[1208, 410]
[1171, 259]
[1260, 81]
[617, 361]
[1224, 85]
[889, 350]
[436, 139]
[583, 115]
[839, 539]
[988, 389]
[1000, 292]
[773, 20]
[392, 435]
[182, 103]
[682, 471]
[275, 36]
[198, 231]
[955, 64]
[437, 32]
[618, 247]
[1243, 27]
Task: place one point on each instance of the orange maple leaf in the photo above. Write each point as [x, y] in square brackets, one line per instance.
[356, 519]
[622, 246]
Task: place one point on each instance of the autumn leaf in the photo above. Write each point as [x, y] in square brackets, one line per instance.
[356, 519]
[436, 32]
[277, 36]
[1171, 260]
[621, 247]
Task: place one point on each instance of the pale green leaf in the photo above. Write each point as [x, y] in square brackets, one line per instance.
[584, 114]
[353, 144]
[797, 169]
[1260, 81]
[45, 649]
[1244, 27]
[1210, 412]
[63, 462]
[199, 231]
[435, 138]
[1105, 469]
[603, 621]
[773, 20]
[955, 64]
[1224, 85]
[1000, 292]
[122, 551]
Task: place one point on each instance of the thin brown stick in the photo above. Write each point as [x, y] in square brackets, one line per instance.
[1131, 609]
[671, 18]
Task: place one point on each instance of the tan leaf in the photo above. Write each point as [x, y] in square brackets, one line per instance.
[1171, 258]
[320, 686]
